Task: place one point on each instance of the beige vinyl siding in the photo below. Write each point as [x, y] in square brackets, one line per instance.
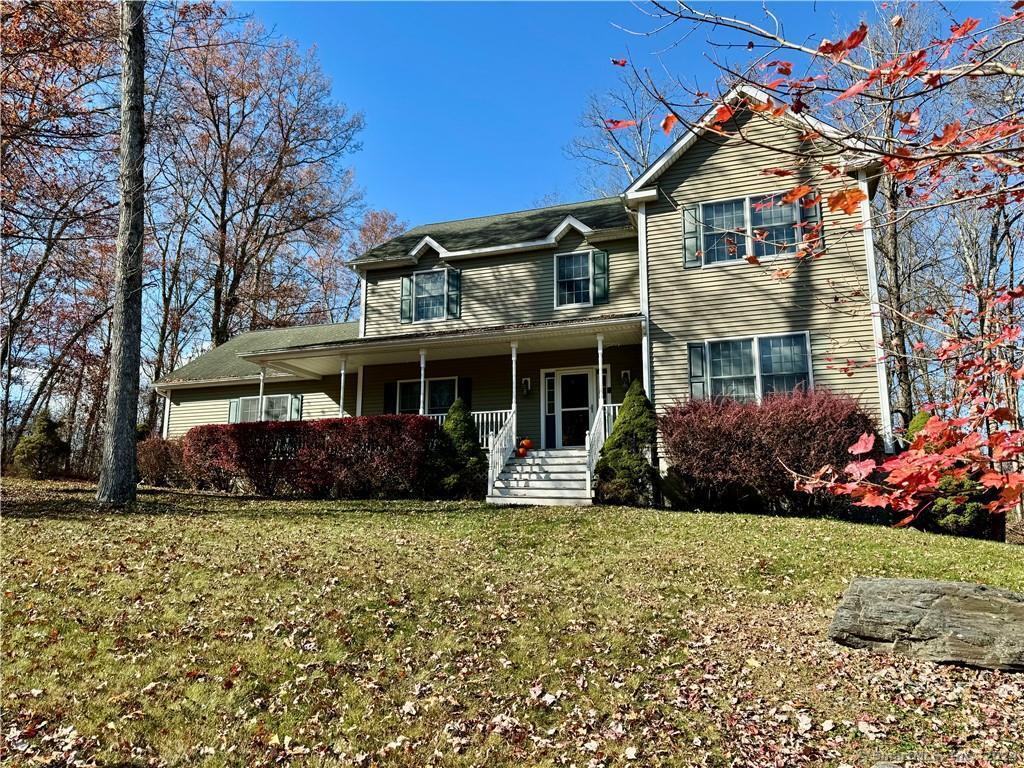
[492, 379]
[209, 405]
[827, 297]
[516, 288]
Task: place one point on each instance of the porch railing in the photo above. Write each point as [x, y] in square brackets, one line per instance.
[595, 439]
[611, 413]
[487, 423]
[502, 445]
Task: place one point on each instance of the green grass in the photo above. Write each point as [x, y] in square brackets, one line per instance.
[222, 631]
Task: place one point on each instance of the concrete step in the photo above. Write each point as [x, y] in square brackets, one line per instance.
[580, 485]
[538, 501]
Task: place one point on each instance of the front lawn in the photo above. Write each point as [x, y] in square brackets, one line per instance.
[219, 631]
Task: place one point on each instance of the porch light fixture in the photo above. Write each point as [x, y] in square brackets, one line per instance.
[627, 379]
[527, 385]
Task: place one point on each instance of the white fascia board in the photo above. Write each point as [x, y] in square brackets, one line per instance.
[744, 91]
[427, 242]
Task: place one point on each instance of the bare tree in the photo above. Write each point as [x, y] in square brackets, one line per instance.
[117, 475]
[619, 137]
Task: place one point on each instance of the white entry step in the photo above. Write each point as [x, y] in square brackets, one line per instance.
[544, 478]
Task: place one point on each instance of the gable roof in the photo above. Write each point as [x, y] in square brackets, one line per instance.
[502, 233]
[223, 362]
[745, 91]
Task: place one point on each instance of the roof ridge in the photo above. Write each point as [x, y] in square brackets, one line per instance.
[513, 213]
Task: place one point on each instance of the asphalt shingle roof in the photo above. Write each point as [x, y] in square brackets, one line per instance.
[505, 228]
[223, 362]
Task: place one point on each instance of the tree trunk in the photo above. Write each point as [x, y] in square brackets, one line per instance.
[117, 473]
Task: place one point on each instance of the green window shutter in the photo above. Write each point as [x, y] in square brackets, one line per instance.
[698, 371]
[810, 218]
[407, 299]
[600, 277]
[454, 294]
[296, 410]
[233, 411]
[692, 256]
[391, 397]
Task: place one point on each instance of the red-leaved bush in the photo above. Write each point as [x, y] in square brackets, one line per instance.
[160, 462]
[739, 456]
[364, 457]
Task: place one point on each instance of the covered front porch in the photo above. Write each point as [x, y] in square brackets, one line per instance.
[554, 378]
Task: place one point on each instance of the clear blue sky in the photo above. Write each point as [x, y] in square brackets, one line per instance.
[468, 105]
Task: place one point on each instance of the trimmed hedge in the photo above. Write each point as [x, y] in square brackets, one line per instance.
[736, 456]
[160, 462]
[354, 458]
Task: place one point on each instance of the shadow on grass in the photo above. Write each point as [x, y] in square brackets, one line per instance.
[76, 501]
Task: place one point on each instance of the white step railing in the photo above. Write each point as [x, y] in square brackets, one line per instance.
[595, 439]
[611, 413]
[502, 446]
[487, 422]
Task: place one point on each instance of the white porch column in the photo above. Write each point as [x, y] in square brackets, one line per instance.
[515, 381]
[600, 370]
[263, 375]
[341, 393]
[359, 391]
[167, 415]
[423, 382]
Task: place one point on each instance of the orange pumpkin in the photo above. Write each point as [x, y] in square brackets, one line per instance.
[521, 452]
[527, 443]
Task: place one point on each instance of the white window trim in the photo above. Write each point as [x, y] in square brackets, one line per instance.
[749, 236]
[754, 340]
[266, 401]
[444, 271]
[590, 269]
[426, 400]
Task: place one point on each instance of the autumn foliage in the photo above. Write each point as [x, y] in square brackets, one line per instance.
[974, 438]
[735, 456]
[391, 456]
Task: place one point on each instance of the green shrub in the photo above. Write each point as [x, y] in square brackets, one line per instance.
[467, 478]
[624, 474]
[41, 453]
[917, 424]
[961, 509]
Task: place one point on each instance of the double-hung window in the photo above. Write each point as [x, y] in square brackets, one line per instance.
[432, 294]
[762, 226]
[275, 408]
[581, 278]
[441, 393]
[749, 369]
[573, 279]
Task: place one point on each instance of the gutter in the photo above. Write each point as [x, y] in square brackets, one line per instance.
[417, 342]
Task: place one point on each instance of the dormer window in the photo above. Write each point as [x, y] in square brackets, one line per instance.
[431, 295]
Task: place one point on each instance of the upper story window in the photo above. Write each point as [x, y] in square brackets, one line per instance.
[433, 294]
[749, 369]
[763, 226]
[581, 278]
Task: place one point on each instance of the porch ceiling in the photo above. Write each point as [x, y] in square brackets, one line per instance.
[325, 360]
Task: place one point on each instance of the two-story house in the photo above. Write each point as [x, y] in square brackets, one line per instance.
[540, 319]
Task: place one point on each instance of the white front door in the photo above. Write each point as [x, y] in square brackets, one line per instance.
[574, 407]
